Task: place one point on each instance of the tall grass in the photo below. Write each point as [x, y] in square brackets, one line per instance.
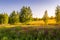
[29, 33]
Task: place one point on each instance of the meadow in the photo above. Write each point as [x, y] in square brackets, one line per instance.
[34, 30]
[41, 22]
[29, 33]
[20, 20]
[31, 23]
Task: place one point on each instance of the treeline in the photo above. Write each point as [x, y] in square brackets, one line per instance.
[25, 15]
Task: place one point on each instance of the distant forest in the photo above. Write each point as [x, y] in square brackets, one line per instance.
[25, 15]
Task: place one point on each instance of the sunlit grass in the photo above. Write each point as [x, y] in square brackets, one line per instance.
[52, 21]
[41, 22]
[30, 24]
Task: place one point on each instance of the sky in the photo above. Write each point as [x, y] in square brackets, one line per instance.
[38, 7]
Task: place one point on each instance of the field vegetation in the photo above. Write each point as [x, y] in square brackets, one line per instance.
[29, 33]
[22, 26]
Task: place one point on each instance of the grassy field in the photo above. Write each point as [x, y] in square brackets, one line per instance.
[31, 24]
[41, 22]
[34, 30]
[29, 33]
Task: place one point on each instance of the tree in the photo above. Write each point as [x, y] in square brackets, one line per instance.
[57, 13]
[1, 18]
[5, 19]
[25, 14]
[45, 17]
[14, 18]
[17, 18]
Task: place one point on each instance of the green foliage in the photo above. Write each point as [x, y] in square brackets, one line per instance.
[14, 18]
[37, 19]
[1, 18]
[23, 33]
[25, 14]
[5, 21]
[57, 13]
[4, 18]
[45, 17]
[4, 38]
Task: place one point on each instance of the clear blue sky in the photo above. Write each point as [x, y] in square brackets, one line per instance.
[37, 6]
